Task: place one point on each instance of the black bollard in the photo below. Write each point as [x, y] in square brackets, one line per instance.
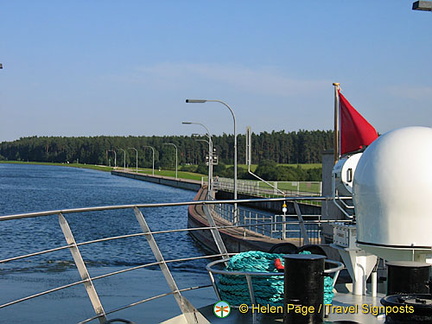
[408, 288]
[407, 277]
[304, 288]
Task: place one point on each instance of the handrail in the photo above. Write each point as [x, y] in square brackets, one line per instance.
[268, 224]
[252, 187]
[322, 221]
[186, 308]
[338, 267]
[186, 203]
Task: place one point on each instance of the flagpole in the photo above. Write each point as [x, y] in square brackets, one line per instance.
[336, 122]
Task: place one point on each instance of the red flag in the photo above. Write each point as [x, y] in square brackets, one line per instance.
[355, 130]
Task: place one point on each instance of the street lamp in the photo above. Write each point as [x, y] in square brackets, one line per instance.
[124, 159]
[136, 157]
[422, 5]
[153, 156]
[235, 148]
[210, 161]
[115, 157]
[176, 160]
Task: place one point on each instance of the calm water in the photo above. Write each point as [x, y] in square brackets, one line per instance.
[30, 188]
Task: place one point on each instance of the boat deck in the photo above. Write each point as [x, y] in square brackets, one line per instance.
[346, 308]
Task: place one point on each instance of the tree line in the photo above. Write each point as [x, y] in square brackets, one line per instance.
[279, 147]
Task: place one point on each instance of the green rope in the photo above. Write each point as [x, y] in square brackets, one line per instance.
[267, 290]
[328, 290]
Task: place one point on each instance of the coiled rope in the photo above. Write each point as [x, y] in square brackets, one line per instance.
[267, 290]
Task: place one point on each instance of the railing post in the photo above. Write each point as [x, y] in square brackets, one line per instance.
[301, 224]
[284, 226]
[192, 315]
[82, 269]
[215, 233]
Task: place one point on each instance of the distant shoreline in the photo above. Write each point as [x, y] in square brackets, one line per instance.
[72, 165]
[104, 168]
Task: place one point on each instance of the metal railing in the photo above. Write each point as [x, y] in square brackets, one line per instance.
[272, 225]
[74, 247]
[87, 280]
[261, 189]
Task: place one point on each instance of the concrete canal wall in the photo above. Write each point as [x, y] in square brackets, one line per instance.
[235, 239]
[273, 206]
[167, 181]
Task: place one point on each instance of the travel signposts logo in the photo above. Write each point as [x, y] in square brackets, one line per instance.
[221, 309]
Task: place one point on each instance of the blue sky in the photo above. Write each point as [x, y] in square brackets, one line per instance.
[89, 68]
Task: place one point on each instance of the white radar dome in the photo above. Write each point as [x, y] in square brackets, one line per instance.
[392, 191]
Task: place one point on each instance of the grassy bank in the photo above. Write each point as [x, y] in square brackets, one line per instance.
[162, 173]
[72, 165]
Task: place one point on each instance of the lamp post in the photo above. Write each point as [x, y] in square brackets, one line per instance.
[115, 157]
[176, 159]
[136, 157]
[210, 161]
[235, 148]
[153, 156]
[210, 190]
[124, 158]
[422, 5]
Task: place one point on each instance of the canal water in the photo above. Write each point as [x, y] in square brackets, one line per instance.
[32, 188]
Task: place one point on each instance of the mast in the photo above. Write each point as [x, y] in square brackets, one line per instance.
[336, 122]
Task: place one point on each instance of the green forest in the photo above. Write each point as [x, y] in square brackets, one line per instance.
[270, 151]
